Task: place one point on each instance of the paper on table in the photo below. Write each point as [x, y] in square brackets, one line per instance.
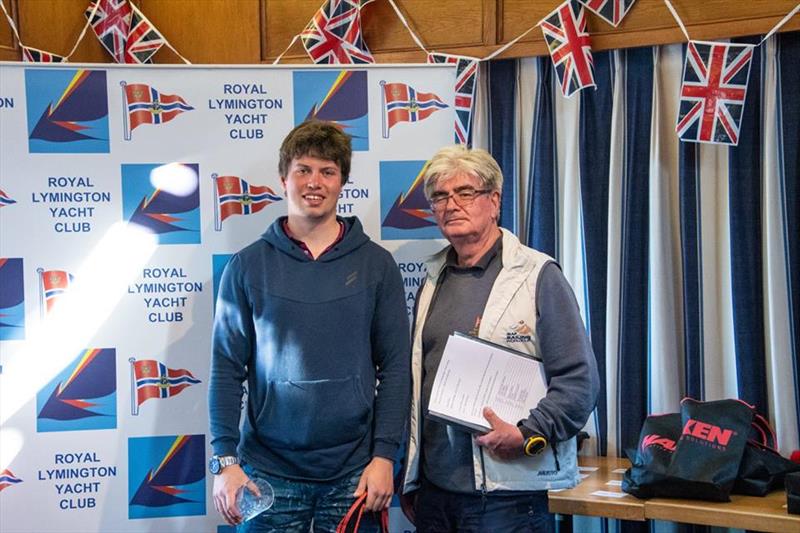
[474, 373]
[609, 494]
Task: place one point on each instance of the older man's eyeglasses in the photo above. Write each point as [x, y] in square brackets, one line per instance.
[462, 198]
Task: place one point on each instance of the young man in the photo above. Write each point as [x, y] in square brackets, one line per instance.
[313, 316]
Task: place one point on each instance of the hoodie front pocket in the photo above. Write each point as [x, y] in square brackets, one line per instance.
[308, 415]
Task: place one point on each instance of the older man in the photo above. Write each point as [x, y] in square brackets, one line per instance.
[488, 284]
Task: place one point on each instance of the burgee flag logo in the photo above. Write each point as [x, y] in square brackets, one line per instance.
[143, 104]
[8, 479]
[236, 196]
[5, 199]
[151, 379]
[53, 285]
[404, 103]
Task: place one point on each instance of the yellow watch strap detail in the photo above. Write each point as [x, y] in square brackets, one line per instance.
[534, 445]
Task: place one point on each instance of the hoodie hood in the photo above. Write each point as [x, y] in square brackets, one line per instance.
[354, 237]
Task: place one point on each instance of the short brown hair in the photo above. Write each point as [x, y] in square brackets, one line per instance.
[317, 138]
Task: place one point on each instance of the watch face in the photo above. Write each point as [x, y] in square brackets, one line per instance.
[213, 465]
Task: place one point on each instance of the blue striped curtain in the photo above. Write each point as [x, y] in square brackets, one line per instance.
[685, 257]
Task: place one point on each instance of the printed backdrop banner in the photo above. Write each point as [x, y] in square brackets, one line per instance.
[123, 193]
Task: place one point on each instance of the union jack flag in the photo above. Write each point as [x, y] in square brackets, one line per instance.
[143, 40]
[570, 46]
[237, 197]
[466, 81]
[333, 34]
[612, 11]
[713, 92]
[34, 55]
[111, 23]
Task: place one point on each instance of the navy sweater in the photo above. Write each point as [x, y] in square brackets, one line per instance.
[324, 347]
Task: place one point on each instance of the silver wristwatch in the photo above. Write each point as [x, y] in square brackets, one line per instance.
[218, 462]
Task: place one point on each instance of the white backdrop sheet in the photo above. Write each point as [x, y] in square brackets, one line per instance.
[74, 197]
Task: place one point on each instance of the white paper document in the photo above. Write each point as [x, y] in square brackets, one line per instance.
[474, 374]
[609, 494]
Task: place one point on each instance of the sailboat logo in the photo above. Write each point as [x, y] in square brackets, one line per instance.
[82, 396]
[334, 96]
[405, 212]
[67, 111]
[166, 476]
[174, 216]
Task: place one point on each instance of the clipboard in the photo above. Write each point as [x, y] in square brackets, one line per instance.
[475, 373]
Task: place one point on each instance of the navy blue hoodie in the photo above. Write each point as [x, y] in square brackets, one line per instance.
[311, 338]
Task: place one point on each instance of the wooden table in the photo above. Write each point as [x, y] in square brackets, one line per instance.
[584, 500]
[743, 512]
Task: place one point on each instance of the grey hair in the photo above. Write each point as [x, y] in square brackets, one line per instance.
[458, 159]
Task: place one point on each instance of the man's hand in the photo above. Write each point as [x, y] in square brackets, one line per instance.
[377, 481]
[226, 485]
[504, 440]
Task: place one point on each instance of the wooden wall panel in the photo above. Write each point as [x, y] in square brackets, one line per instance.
[54, 27]
[9, 51]
[208, 31]
[437, 25]
[465, 24]
[252, 31]
[282, 21]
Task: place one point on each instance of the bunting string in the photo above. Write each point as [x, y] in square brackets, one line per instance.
[166, 42]
[333, 35]
[422, 47]
[11, 22]
[90, 16]
[408, 27]
[677, 19]
[769, 34]
[783, 21]
[294, 40]
[83, 32]
[401, 17]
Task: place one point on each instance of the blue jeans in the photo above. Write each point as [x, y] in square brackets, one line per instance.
[302, 505]
[442, 511]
